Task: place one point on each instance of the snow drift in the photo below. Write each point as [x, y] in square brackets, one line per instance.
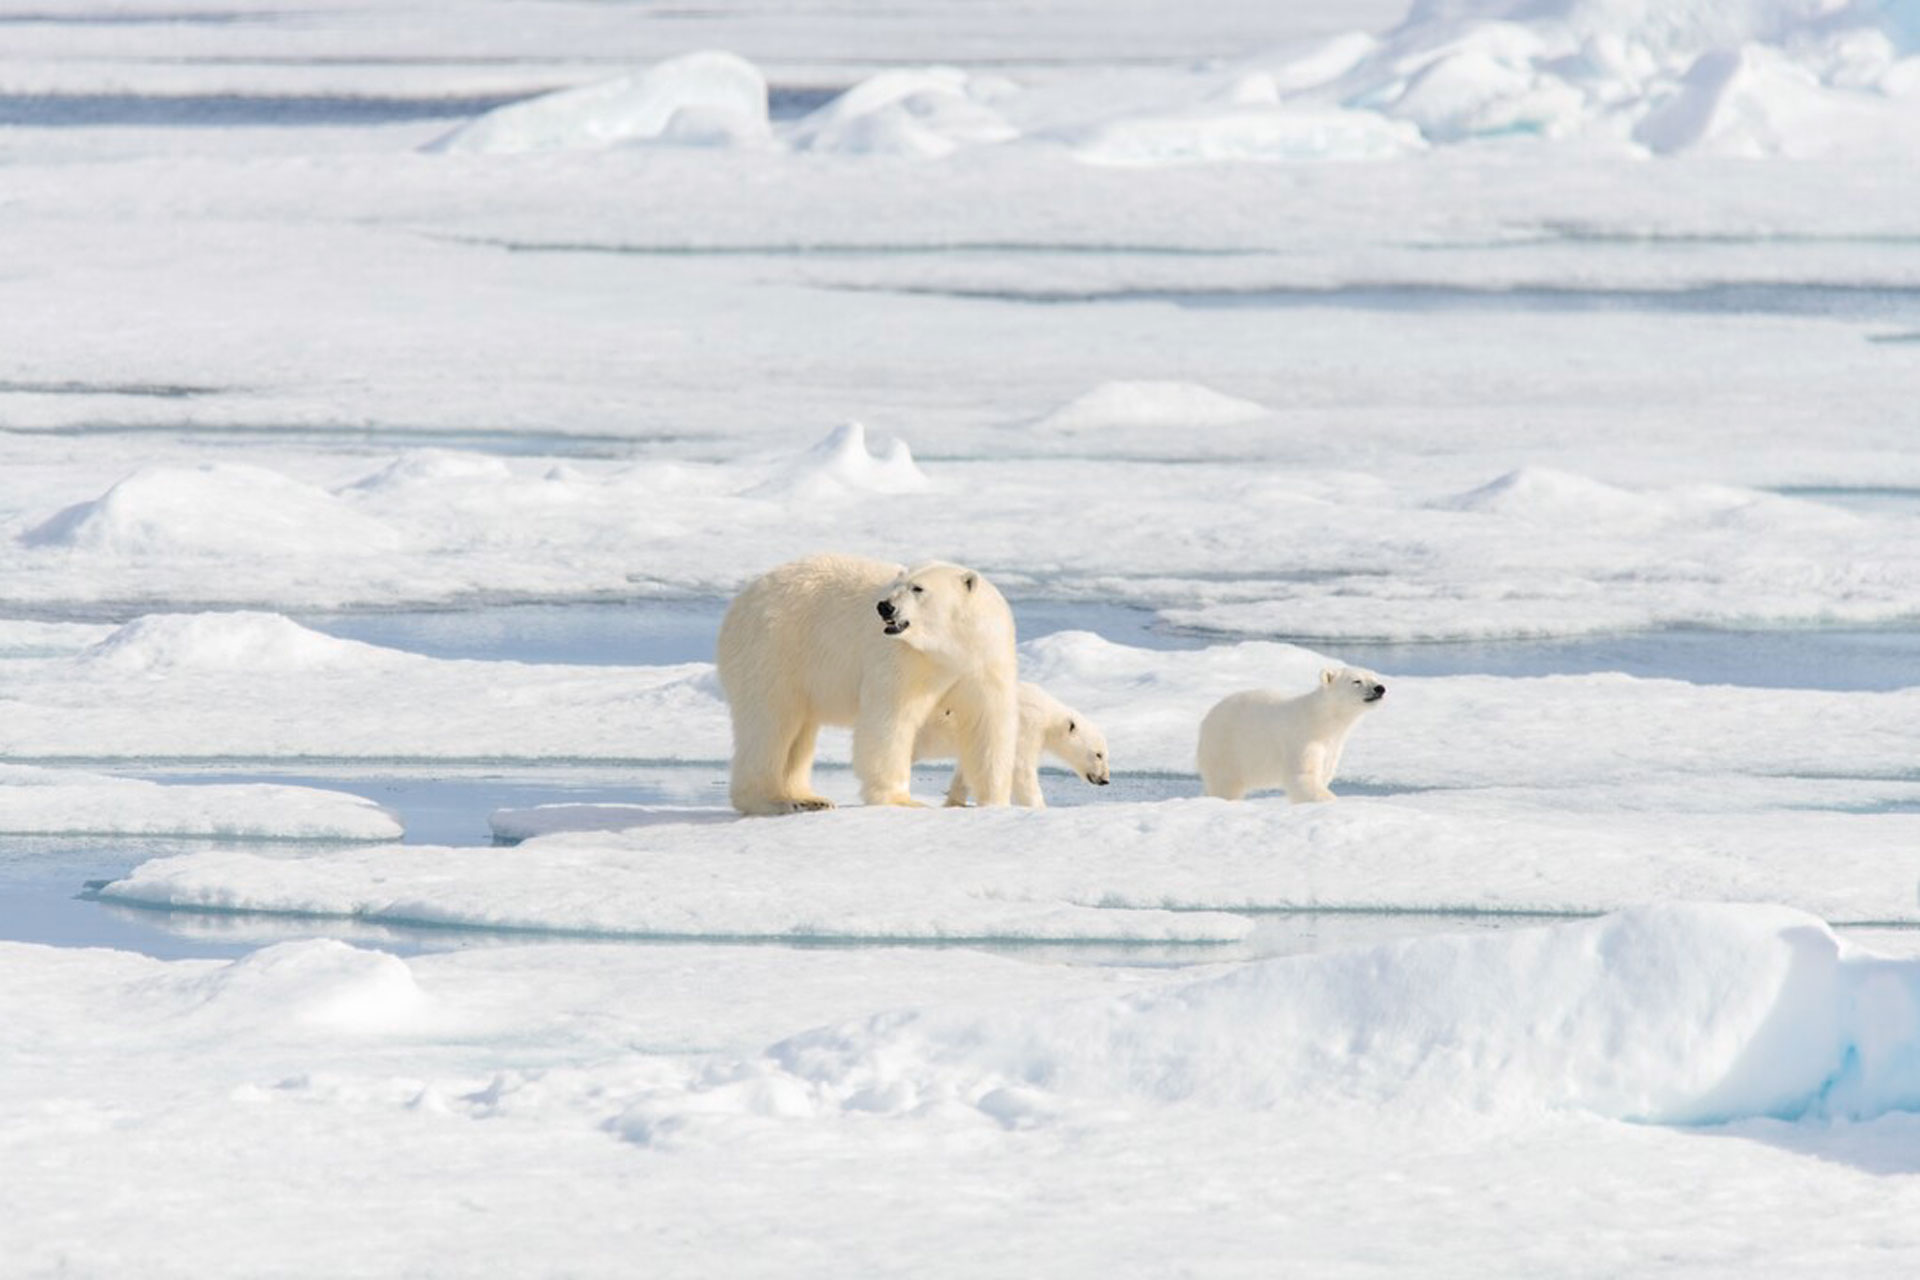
[211, 510]
[920, 113]
[1677, 1014]
[701, 99]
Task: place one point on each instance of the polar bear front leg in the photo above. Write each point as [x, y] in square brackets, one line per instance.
[957, 790]
[1306, 783]
[883, 732]
[990, 743]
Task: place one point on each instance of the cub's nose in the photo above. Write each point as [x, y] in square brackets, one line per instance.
[886, 610]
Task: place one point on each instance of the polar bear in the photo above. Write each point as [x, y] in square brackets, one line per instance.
[1046, 725]
[841, 640]
[1264, 738]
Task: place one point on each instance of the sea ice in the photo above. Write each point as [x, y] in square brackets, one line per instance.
[698, 99]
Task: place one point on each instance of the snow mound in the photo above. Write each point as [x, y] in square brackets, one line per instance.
[840, 464]
[701, 99]
[925, 113]
[65, 802]
[214, 509]
[421, 469]
[1150, 404]
[1752, 78]
[1676, 1014]
[224, 642]
[1545, 496]
[317, 983]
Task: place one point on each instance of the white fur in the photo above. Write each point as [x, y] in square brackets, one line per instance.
[1047, 726]
[841, 640]
[1265, 738]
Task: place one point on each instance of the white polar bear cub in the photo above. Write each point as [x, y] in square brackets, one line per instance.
[1046, 725]
[842, 640]
[1265, 738]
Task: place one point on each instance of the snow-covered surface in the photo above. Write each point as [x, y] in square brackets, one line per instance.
[1365, 1113]
[1470, 319]
[700, 99]
[1096, 872]
[256, 686]
[69, 802]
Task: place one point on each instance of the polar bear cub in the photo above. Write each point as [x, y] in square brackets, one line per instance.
[1047, 726]
[1264, 738]
[842, 640]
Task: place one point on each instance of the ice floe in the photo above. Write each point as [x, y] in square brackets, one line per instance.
[1313, 551]
[217, 685]
[1124, 871]
[71, 802]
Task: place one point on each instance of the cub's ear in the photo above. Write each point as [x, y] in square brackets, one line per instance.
[970, 579]
[1329, 675]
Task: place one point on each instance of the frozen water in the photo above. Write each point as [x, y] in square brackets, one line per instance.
[1553, 358]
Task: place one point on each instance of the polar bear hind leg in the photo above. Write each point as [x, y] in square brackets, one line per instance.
[765, 748]
[799, 790]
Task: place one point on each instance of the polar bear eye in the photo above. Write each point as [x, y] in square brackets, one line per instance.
[1072, 725]
[920, 591]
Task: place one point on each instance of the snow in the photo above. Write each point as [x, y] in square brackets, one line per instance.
[1671, 1015]
[1153, 405]
[66, 802]
[1437, 1077]
[1101, 872]
[699, 99]
[925, 114]
[1477, 320]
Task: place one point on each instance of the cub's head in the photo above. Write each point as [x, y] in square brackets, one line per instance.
[1084, 747]
[934, 605]
[1352, 684]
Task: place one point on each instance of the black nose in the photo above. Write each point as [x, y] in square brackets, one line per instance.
[886, 609]
[1379, 691]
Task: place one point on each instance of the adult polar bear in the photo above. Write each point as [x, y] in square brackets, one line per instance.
[842, 640]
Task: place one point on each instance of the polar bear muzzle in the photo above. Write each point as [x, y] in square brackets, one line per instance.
[895, 624]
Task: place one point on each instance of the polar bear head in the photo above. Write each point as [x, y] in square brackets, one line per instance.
[1356, 685]
[1066, 735]
[945, 609]
[1084, 747]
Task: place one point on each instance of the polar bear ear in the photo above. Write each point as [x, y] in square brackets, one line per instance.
[970, 579]
[1329, 675]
